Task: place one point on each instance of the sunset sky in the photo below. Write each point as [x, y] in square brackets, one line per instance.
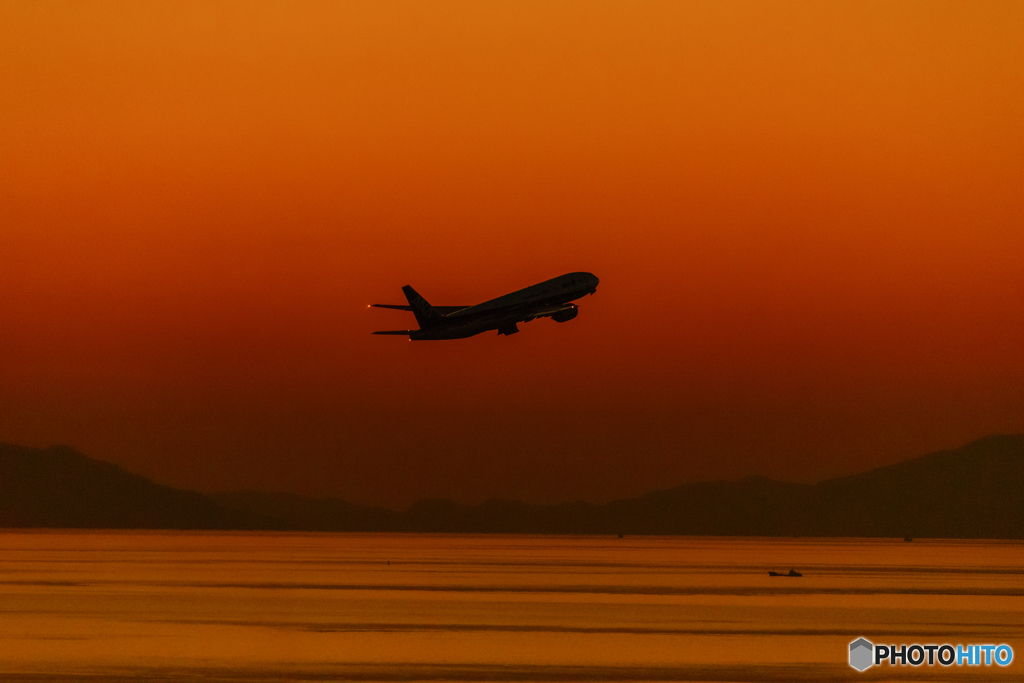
[807, 218]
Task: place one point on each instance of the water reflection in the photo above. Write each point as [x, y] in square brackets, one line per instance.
[254, 606]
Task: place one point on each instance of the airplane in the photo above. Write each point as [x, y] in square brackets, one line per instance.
[549, 299]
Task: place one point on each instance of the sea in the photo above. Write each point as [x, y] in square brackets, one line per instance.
[255, 606]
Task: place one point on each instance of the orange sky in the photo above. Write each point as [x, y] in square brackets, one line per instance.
[807, 218]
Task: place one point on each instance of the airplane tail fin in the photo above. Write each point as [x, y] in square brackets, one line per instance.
[426, 315]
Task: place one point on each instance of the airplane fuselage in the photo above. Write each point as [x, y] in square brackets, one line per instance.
[550, 298]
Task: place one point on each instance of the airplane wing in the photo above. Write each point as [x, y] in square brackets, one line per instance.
[443, 310]
[560, 313]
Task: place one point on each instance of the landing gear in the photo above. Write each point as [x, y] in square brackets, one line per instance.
[508, 329]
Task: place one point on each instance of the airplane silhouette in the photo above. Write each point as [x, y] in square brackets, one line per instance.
[549, 299]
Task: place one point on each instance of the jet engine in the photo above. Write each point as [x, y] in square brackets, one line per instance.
[566, 314]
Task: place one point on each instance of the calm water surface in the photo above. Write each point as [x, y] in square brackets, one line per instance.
[397, 607]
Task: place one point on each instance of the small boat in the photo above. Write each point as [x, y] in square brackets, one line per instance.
[792, 572]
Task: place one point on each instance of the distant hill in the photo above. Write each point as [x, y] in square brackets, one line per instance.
[61, 488]
[309, 514]
[976, 491]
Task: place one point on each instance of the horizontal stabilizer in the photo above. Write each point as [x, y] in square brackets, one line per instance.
[443, 310]
[406, 332]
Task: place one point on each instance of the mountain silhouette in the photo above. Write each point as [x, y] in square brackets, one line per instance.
[309, 514]
[976, 491]
[58, 487]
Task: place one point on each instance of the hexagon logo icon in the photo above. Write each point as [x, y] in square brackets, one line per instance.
[861, 654]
